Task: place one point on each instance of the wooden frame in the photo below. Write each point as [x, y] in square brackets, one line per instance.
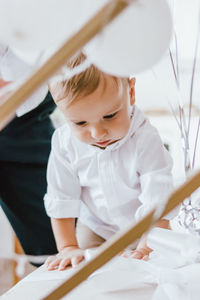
[17, 250]
[120, 241]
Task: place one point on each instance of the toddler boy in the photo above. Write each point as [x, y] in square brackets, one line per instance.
[107, 164]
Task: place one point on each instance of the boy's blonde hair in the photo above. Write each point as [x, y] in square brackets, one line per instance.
[82, 84]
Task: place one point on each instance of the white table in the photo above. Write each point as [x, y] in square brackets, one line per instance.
[122, 278]
[40, 282]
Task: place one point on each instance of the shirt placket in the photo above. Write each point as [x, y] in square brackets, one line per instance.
[106, 176]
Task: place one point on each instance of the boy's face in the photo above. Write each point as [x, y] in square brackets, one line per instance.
[103, 117]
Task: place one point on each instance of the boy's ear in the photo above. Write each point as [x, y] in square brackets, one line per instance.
[132, 90]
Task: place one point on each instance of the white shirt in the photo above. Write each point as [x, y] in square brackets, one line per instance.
[12, 68]
[108, 189]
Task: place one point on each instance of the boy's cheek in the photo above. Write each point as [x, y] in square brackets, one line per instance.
[119, 130]
[83, 136]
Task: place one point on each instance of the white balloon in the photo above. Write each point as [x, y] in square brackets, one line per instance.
[135, 40]
[34, 25]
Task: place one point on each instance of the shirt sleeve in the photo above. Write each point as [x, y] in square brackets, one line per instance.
[13, 68]
[154, 165]
[62, 199]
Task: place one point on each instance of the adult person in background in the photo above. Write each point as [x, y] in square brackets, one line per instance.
[24, 149]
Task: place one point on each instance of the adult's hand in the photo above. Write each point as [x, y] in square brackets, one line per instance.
[2, 84]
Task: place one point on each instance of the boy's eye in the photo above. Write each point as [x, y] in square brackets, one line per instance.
[110, 116]
[81, 123]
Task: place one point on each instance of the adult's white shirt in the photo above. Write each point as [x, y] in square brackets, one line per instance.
[108, 189]
[13, 68]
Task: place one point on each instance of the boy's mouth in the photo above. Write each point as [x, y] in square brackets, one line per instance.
[103, 144]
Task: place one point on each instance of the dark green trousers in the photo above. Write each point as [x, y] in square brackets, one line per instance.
[24, 149]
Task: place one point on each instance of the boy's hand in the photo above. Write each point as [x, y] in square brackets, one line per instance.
[142, 251]
[68, 256]
[139, 253]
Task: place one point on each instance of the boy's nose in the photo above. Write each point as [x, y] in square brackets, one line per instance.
[98, 132]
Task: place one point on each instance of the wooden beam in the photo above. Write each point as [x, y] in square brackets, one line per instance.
[17, 250]
[120, 241]
[75, 43]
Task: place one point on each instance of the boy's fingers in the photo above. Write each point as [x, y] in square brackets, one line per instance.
[146, 257]
[76, 260]
[124, 254]
[140, 254]
[54, 264]
[64, 263]
[49, 260]
[137, 254]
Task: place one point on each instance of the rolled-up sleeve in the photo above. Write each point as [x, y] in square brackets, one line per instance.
[154, 166]
[62, 199]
